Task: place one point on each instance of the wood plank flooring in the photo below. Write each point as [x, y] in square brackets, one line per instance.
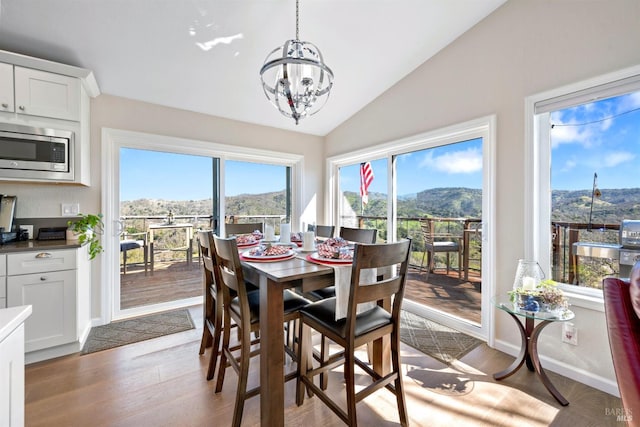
[161, 382]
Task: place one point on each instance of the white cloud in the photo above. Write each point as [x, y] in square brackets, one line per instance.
[464, 161]
[616, 158]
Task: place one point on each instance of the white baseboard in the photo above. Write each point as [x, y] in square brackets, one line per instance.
[561, 368]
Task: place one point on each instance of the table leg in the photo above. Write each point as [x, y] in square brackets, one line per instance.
[151, 256]
[381, 350]
[533, 350]
[271, 354]
[520, 358]
[529, 354]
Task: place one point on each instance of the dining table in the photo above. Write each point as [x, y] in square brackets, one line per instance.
[273, 278]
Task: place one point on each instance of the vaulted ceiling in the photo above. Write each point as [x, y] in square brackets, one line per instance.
[205, 55]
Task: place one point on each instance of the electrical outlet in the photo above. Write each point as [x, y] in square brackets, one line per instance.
[70, 209]
[29, 229]
[570, 333]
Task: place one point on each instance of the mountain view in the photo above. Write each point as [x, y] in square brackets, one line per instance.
[568, 206]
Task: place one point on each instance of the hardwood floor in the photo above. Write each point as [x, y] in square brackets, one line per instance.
[161, 382]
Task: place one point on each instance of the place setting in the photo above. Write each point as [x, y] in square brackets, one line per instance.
[333, 251]
[268, 253]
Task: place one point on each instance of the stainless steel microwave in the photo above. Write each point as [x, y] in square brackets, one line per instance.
[35, 153]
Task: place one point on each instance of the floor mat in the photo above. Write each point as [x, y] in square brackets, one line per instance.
[141, 328]
[434, 339]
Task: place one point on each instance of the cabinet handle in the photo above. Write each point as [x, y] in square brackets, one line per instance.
[5, 105]
[44, 255]
[43, 278]
[21, 108]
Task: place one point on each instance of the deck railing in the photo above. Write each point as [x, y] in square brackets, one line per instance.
[564, 235]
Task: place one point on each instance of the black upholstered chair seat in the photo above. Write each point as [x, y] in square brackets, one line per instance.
[292, 302]
[323, 293]
[324, 312]
[127, 245]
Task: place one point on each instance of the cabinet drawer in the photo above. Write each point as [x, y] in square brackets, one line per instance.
[3, 265]
[41, 261]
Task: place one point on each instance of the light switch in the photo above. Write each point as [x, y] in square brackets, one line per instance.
[70, 209]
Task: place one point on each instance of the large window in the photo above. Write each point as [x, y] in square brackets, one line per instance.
[446, 175]
[584, 143]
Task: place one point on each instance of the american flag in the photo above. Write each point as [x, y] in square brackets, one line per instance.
[366, 177]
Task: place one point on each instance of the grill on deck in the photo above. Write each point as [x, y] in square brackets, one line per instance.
[629, 245]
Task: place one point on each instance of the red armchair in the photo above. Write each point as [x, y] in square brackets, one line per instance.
[622, 310]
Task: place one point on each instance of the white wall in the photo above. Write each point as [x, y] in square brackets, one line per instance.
[524, 47]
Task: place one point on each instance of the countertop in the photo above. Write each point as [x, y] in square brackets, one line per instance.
[11, 318]
[37, 245]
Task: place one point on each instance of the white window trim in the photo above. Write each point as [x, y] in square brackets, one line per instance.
[537, 204]
[114, 139]
[484, 127]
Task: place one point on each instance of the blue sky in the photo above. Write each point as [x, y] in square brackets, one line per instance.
[601, 137]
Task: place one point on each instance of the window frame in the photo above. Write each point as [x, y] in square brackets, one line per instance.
[484, 127]
[537, 163]
[114, 139]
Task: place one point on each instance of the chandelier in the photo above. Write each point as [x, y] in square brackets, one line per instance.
[295, 78]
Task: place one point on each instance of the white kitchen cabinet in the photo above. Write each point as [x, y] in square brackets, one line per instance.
[39, 93]
[49, 95]
[48, 281]
[6, 88]
[12, 366]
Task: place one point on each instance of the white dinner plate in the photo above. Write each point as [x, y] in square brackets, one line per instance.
[317, 257]
[247, 254]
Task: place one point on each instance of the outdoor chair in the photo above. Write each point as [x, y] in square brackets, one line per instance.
[439, 243]
[132, 241]
[243, 308]
[357, 329]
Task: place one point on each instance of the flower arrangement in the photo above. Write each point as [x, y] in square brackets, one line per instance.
[546, 296]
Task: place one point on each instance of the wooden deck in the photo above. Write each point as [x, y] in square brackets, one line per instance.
[178, 280]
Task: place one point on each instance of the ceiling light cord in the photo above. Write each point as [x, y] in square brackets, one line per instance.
[297, 21]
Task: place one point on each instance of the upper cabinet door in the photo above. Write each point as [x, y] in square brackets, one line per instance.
[6, 87]
[40, 93]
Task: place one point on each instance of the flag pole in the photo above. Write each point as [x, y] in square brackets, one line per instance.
[593, 192]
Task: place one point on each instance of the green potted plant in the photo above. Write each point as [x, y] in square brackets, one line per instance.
[87, 228]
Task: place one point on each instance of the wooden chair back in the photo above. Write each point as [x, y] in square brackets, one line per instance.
[359, 235]
[394, 257]
[232, 278]
[244, 228]
[322, 230]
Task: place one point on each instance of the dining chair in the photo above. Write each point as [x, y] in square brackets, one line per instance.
[358, 235]
[132, 241]
[325, 231]
[357, 329]
[243, 228]
[438, 243]
[243, 308]
[212, 328]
